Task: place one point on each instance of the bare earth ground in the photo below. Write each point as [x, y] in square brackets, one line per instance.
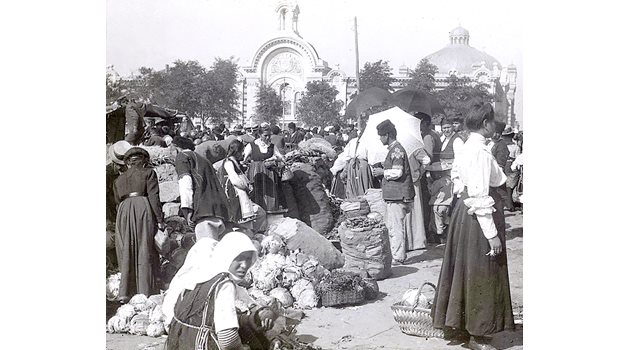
[372, 326]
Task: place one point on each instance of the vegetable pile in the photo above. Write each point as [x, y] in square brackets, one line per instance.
[141, 316]
[289, 277]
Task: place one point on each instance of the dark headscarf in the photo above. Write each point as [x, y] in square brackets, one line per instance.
[184, 143]
[386, 127]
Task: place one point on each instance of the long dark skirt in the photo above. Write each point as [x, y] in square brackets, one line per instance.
[359, 178]
[267, 191]
[473, 291]
[338, 188]
[137, 258]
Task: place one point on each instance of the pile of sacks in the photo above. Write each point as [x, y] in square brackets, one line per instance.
[141, 316]
[287, 276]
[163, 162]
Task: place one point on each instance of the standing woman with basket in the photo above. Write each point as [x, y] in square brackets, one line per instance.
[139, 215]
[264, 172]
[473, 298]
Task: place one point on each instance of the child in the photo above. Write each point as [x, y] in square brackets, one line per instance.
[441, 190]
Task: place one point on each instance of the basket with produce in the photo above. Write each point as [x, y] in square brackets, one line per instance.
[413, 313]
[341, 288]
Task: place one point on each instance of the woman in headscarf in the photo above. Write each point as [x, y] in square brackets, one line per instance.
[202, 200]
[473, 298]
[205, 314]
[236, 185]
[351, 167]
[139, 215]
[264, 172]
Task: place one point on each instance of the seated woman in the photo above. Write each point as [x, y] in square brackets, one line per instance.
[205, 314]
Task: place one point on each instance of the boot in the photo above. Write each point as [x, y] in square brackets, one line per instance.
[480, 343]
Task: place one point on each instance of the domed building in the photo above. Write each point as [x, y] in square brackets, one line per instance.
[287, 62]
[460, 59]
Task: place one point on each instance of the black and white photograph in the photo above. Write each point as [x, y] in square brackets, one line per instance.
[301, 174]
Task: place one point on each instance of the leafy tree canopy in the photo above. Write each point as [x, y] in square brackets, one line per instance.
[377, 74]
[423, 76]
[319, 105]
[268, 105]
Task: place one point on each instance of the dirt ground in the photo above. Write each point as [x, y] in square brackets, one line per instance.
[371, 325]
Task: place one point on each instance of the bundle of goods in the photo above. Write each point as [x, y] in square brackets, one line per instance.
[286, 276]
[211, 150]
[374, 197]
[355, 207]
[160, 155]
[345, 288]
[320, 146]
[365, 245]
[413, 313]
[141, 316]
[312, 200]
[173, 245]
[298, 235]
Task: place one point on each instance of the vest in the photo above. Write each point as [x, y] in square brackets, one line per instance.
[449, 152]
[437, 146]
[401, 188]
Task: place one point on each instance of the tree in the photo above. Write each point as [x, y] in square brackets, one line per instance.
[423, 76]
[268, 105]
[460, 94]
[221, 97]
[114, 86]
[377, 74]
[319, 105]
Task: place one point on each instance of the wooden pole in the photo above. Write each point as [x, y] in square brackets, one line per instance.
[356, 66]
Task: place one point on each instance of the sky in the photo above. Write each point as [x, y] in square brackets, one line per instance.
[153, 33]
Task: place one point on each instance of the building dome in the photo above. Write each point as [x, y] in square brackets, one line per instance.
[460, 31]
[459, 56]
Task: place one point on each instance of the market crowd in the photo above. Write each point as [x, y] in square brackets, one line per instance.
[452, 192]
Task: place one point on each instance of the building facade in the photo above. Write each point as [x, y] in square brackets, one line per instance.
[287, 62]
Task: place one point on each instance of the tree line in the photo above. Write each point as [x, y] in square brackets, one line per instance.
[211, 93]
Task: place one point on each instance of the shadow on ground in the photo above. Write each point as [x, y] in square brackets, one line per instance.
[400, 271]
[508, 339]
[432, 253]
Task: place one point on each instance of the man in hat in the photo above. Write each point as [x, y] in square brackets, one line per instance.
[398, 192]
[452, 143]
[295, 137]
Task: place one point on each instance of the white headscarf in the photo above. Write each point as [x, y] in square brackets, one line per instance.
[206, 259]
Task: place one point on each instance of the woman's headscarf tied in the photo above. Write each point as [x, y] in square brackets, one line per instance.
[206, 259]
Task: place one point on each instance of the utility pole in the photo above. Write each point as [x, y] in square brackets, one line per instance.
[356, 51]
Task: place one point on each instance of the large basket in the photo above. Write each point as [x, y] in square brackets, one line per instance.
[414, 320]
[338, 298]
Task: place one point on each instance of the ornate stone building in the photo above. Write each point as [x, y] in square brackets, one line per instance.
[287, 62]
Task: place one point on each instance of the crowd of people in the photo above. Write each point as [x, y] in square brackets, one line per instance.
[453, 192]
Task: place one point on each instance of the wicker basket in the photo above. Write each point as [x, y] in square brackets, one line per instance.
[414, 320]
[338, 298]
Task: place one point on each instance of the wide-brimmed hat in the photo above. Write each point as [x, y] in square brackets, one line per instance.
[440, 166]
[507, 131]
[117, 151]
[136, 151]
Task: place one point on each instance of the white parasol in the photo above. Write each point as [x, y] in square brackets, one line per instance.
[407, 128]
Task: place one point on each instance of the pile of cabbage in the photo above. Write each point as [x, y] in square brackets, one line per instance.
[141, 316]
[288, 277]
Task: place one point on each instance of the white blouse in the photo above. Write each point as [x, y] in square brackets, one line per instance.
[476, 169]
[350, 151]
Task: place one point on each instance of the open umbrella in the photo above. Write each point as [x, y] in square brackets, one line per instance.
[413, 100]
[366, 99]
[407, 128]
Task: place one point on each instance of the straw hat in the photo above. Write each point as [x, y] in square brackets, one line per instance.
[117, 151]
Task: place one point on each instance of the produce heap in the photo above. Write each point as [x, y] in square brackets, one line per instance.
[141, 316]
